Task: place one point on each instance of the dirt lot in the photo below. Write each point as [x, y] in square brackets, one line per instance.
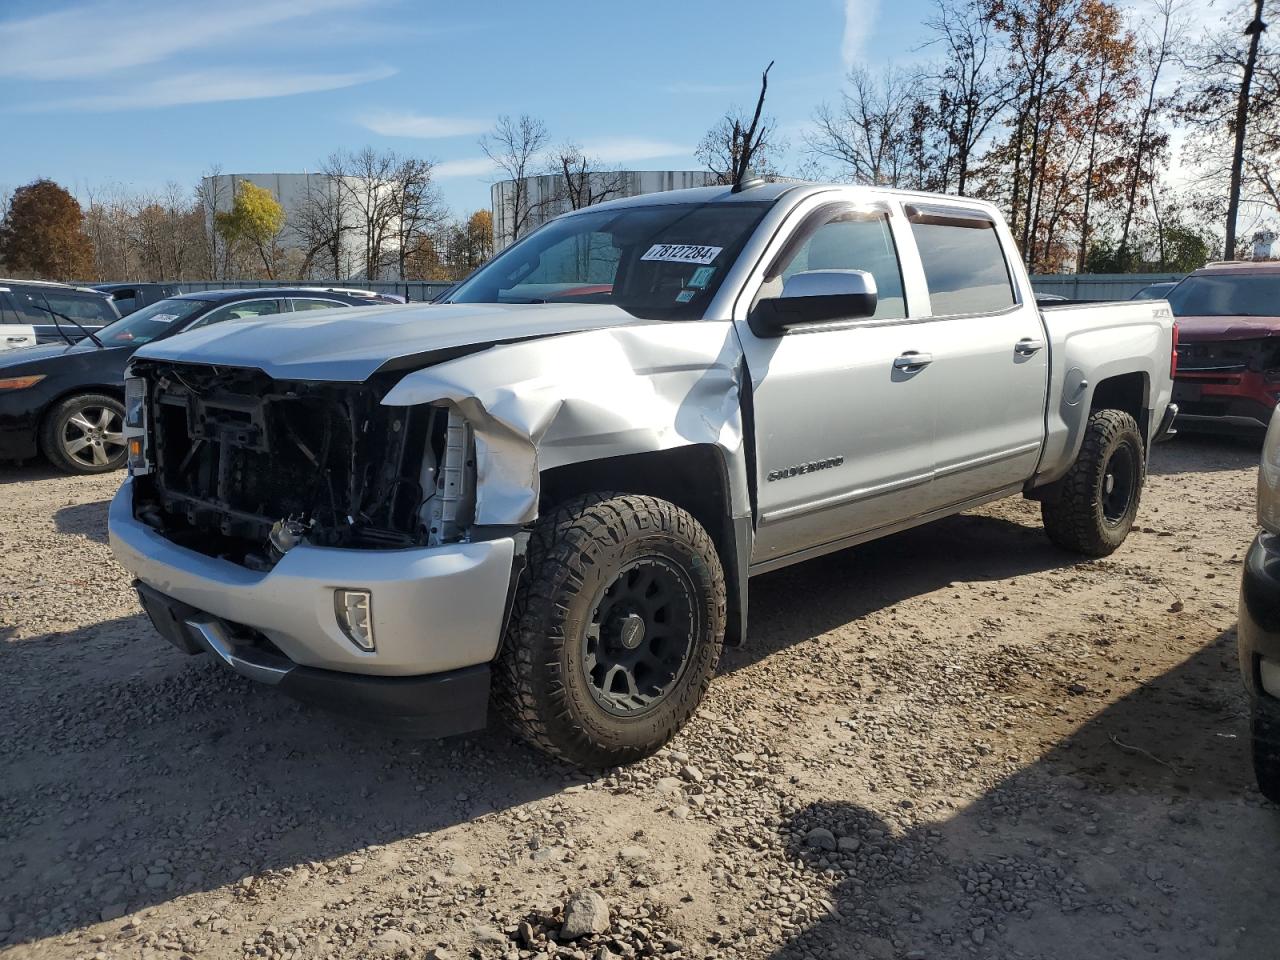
[959, 742]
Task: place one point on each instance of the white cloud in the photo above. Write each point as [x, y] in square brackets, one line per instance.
[211, 86]
[403, 123]
[96, 39]
[471, 167]
[859, 22]
[621, 149]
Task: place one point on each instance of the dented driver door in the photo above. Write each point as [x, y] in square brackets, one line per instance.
[844, 425]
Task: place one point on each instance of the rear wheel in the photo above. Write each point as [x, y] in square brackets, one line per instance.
[616, 630]
[85, 434]
[1097, 501]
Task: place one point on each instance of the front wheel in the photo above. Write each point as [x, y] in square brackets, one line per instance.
[1097, 501]
[85, 434]
[616, 629]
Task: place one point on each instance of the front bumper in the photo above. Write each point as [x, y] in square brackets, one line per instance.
[435, 609]
[435, 705]
[1239, 402]
[1258, 633]
[19, 424]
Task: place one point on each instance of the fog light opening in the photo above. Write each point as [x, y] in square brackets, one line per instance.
[354, 610]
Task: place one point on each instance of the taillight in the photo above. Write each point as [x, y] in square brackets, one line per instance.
[1173, 359]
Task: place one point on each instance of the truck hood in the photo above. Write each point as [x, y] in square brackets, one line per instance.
[350, 345]
[1197, 329]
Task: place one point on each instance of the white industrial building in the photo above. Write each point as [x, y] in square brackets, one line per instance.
[293, 191]
[545, 197]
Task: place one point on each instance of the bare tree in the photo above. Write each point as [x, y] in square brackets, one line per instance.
[417, 208]
[1219, 109]
[875, 132]
[970, 91]
[1254, 32]
[736, 146]
[369, 188]
[212, 195]
[145, 236]
[108, 222]
[513, 145]
[1108, 85]
[582, 181]
[1160, 44]
[322, 221]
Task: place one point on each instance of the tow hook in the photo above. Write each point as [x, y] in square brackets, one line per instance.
[284, 536]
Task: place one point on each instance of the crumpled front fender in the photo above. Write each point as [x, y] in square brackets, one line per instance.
[567, 399]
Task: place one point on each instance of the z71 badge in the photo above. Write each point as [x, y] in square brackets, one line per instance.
[811, 467]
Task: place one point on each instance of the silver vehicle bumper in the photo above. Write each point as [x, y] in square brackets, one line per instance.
[435, 609]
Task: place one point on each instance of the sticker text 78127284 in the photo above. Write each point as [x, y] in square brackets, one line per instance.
[682, 253]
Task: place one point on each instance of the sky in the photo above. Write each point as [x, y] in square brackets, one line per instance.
[143, 92]
[140, 93]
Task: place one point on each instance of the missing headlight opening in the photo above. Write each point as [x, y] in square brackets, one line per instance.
[246, 467]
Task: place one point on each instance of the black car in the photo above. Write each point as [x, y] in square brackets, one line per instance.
[129, 297]
[65, 401]
[60, 312]
[1258, 622]
[1258, 628]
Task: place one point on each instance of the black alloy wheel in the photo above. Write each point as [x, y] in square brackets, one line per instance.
[637, 644]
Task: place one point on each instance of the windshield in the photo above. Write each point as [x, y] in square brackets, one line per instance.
[1226, 295]
[143, 326]
[658, 263]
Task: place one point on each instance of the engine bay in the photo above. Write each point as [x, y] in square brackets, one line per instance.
[244, 467]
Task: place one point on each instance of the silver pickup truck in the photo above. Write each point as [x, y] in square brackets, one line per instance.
[550, 491]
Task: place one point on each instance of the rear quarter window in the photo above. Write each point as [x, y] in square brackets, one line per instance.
[964, 266]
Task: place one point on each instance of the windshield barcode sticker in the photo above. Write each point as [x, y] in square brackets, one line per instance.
[682, 253]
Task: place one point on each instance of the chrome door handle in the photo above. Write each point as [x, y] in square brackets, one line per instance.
[912, 360]
[1028, 346]
[17, 339]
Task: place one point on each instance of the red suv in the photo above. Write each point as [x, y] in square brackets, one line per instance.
[1228, 377]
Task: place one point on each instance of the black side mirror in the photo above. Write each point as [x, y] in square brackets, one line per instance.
[815, 296]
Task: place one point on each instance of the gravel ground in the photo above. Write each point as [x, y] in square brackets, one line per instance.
[957, 742]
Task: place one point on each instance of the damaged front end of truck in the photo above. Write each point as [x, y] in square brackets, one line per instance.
[359, 539]
[234, 464]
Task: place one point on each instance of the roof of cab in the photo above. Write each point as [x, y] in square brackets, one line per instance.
[1239, 267]
[769, 191]
[766, 192]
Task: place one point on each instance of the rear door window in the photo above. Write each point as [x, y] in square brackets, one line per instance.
[89, 310]
[303, 303]
[239, 311]
[126, 300]
[30, 306]
[964, 265]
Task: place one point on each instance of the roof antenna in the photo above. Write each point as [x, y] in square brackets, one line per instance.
[748, 141]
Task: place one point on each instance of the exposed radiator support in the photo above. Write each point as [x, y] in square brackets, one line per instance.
[453, 504]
